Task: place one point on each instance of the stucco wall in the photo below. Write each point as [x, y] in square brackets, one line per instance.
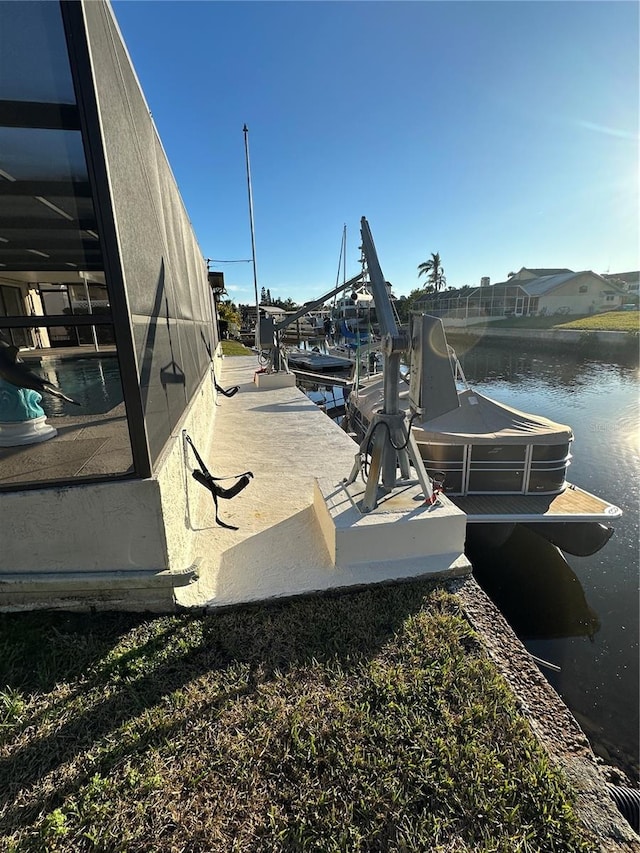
[124, 526]
[569, 296]
[88, 528]
[182, 498]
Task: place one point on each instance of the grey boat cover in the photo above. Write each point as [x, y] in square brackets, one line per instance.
[477, 420]
[481, 420]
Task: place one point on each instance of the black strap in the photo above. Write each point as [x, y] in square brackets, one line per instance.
[229, 391]
[211, 483]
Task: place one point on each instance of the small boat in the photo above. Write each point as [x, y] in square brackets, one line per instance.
[315, 361]
[501, 466]
[352, 337]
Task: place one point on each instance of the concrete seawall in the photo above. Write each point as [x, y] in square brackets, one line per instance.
[554, 726]
[618, 341]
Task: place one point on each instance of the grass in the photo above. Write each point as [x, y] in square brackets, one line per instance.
[612, 321]
[369, 721]
[235, 348]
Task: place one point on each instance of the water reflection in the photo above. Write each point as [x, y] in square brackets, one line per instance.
[534, 587]
[483, 363]
[588, 621]
[94, 382]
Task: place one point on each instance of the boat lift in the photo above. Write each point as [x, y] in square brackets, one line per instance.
[394, 445]
[268, 331]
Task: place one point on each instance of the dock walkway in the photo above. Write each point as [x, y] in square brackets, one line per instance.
[279, 549]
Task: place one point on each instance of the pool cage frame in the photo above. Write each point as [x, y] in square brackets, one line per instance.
[90, 56]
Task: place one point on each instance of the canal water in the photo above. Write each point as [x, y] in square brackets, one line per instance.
[581, 614]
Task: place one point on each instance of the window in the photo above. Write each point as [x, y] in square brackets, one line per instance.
[51, 261]
[584, 288]
[11, 303]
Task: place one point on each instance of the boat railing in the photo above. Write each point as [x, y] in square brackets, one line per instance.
[458, 372]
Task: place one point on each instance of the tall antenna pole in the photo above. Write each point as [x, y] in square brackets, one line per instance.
[245, 130]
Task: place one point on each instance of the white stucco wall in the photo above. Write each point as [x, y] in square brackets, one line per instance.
[83, 528]
[182, 498]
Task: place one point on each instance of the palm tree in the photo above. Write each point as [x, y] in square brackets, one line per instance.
[434, 271]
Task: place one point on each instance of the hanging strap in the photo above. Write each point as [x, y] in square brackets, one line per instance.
[229, 392]
[211, 483]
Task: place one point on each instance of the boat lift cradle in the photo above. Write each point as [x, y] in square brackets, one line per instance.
[394, 445]
[268, 331]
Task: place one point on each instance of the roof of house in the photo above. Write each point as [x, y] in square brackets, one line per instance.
[525, 275]
[541, 284]
[540, 273]
[545, 283]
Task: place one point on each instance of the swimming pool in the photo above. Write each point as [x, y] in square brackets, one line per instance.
[93, 382]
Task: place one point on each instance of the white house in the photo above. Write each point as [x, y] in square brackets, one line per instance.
[531, 292]
[564, 292]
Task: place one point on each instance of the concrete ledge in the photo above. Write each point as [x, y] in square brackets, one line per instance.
[402, 532]
[93, 590]
[274, 380]
[433, 567]
[551, 721]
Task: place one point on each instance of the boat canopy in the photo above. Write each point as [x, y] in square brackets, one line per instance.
[480, 420]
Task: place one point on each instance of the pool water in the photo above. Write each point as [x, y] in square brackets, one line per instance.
[93, 382]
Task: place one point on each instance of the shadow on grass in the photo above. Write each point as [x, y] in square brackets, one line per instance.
[105, 682]
[40, 649]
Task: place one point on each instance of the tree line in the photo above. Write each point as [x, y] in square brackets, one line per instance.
[435, 281]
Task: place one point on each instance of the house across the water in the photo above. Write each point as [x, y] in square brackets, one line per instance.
[531, 293]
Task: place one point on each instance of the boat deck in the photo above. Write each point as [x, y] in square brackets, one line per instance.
[573, 504]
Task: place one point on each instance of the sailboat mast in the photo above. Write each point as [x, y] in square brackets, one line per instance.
[341, 263]
[245, 130]
[344, 254]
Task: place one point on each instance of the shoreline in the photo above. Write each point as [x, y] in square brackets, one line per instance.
[580, 341]
[553, 723]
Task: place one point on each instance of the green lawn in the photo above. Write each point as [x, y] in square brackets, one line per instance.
[368, 721]
[613, 321]
[235, 348]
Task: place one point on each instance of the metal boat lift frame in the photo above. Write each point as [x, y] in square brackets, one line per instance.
[268, 331]
[394, 445]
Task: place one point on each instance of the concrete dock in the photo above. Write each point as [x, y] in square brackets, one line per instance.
[282, 546]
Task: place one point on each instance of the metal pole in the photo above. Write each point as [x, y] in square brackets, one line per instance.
[90, 310]
[245, 130]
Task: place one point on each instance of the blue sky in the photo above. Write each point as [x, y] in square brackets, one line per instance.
[499, 134]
